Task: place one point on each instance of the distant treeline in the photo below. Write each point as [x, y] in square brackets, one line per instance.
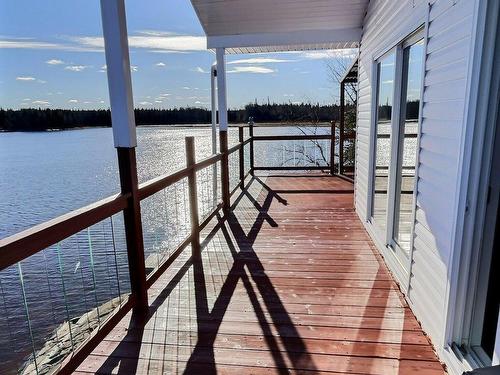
[32, 119]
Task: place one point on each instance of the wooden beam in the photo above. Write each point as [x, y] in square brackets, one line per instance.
[298, 137]
[241, 157]
[193, 197]
[133, 227]
[252, 138]
[30, 241]
[224, 171]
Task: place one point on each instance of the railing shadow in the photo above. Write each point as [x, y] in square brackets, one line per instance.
[245, 258]
[280, 335]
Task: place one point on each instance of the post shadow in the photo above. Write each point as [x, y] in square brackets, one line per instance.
[293, 344]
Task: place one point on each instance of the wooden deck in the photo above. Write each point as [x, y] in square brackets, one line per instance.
[290, 284]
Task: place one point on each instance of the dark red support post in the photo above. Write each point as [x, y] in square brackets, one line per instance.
[224, 173]
[241, 156]
[133, 228]
[193, 198]
[250, 133]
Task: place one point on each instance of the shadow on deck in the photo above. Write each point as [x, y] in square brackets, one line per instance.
[289, 283]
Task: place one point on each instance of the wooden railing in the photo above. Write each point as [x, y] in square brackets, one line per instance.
[329, 164]
[22, 245]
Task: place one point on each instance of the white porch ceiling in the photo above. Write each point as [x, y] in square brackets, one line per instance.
[252, 26]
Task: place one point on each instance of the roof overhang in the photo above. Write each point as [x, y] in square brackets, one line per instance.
[279, 42]
[255, 26]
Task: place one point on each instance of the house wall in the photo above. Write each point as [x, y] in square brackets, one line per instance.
[445, 92]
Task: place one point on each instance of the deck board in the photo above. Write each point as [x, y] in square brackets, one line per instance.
[289, 284]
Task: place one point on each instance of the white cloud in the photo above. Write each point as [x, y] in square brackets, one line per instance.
[28, 44]
[252, 69]
[104, 68]
[25, 78]
[145, 103]
[158, 101]
[72, 101]
[186, 88]
[199, 69]
[258, 60]
[76, 68]
[161, 64]
[41, 102]
[26, 99]
[153, 41]
[31, 43]
[54, 62]
[156, 32]
[161, 42]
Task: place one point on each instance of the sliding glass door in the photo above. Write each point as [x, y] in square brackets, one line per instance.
[399, 85]
[407, 145]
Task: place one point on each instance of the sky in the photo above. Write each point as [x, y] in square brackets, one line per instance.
[51, 56]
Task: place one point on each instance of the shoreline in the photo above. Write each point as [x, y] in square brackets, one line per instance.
[178, 126]
[60, 343]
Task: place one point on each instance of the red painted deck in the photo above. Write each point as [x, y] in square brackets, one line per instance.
[290, 284]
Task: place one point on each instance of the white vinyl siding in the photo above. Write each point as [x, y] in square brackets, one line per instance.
[443, 112]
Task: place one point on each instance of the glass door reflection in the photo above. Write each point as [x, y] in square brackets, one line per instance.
[407, 145]
[385, 91]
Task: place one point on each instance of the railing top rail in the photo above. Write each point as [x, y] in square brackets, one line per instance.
[30, 241]
[291, 137]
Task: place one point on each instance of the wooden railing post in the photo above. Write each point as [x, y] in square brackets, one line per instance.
[250, 133]
[193, 197]
[332, 148]
[341, 128]
[133, 227]
[242, 156]
[224, 173]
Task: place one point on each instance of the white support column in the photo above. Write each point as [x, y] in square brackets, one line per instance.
[114, 27]
[221, 88]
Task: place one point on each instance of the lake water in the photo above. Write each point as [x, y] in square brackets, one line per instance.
[44, 175]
